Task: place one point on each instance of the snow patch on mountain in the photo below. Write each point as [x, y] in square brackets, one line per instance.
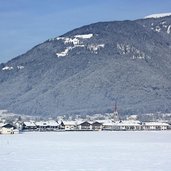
[64, 53]
[95, 47]
[77, 42]
[161, 27]
[158, 29]
[79, 46]
[76, 39]
[20, 67]
[123, 48]
[84, 36]
[169, 29]
[158, 15]
[128, 49]
[67, 40]
[7, 68]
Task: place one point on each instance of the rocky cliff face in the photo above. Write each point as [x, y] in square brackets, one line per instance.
[87, 69]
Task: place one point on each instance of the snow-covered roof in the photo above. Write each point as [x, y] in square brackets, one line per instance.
[69, 122]
[103, 121]
[6, 125]
[29, 124]
[158, 15]
[78, 122]
[52, 123]
[42, 123]
[155, 124]
[108, 124]
[128, 123]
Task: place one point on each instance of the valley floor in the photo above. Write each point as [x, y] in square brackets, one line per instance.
[86, 151]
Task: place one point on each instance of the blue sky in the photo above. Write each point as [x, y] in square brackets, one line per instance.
[26, 23]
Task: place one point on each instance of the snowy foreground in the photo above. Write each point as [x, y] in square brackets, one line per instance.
[86, 151]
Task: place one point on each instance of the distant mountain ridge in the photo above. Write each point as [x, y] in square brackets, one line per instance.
[87, 69]
[158, 15]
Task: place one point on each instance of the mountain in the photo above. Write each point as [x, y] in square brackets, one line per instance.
[158, 15]
[87, 69]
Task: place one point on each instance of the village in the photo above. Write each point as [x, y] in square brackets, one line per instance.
[112, 123]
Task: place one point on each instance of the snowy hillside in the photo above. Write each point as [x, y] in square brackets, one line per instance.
[87, 69]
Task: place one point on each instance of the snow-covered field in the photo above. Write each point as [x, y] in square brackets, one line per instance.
[86, 151]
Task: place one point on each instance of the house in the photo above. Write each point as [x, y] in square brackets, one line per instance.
[52, 125]
[69, 125]
[97, 126]
[7, 128]
[155, 126]
[108, 126]
[41, 125]
[29, 126]
[61, 125]
[128, 125]
[85, 126]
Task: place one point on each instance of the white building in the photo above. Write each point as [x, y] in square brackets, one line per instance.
[29, 125]
[97, 126]
[69, 125]
[155, 126]
[7, 129]
[128, 125]
[85, 126]
[108, 126]
[50, 125]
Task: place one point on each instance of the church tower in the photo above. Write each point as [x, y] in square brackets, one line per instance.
[115, 113]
